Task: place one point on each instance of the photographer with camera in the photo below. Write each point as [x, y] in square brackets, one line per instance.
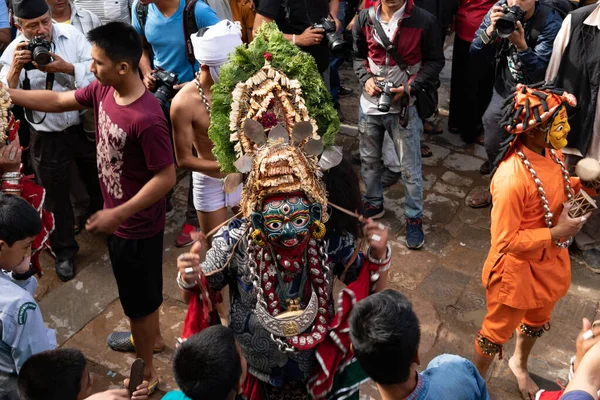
[309, 24]
[392, 81]
[57, 57]
[517, 36]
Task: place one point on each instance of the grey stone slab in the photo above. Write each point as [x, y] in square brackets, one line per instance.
[68, 308]
[572, 309]
[449, 190]
[456, 179]
[479, 217]
[441, 207]
[462, 162]
[439, 153]
[443, 286]
[473, 237]
[428, 181]
[479, 152]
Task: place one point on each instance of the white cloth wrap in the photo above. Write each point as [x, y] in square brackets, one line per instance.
[209, 195]
[213, 45]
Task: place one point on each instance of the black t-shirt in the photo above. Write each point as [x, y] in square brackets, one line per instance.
[302, 14]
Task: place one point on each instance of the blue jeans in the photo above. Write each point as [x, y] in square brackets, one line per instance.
[371, 129]
[336, 61]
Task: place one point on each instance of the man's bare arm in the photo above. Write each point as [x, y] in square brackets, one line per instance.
[145, 63]
[183, 137]
[45, 100]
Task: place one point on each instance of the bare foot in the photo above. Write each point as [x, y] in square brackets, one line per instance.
[150, 376]
[159, 345]
[527, 386]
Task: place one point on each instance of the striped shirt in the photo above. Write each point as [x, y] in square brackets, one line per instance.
[83, 20]
[108, 10]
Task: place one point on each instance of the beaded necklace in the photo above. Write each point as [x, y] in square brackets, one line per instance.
[540, 187]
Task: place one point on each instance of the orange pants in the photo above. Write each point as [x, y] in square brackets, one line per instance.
[501, 320]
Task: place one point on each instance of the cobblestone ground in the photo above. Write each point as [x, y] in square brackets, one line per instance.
[442, 279]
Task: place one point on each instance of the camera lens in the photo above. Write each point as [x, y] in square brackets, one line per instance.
[336, 45]
[41, 56]
[163, 94]
[506, 25]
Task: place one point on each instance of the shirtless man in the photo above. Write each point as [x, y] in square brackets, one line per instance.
[190, 115]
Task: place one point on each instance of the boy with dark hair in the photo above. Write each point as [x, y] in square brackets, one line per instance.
[209, 365]
[22, 330]
[63, 374]
[385, 336]
[135, 165]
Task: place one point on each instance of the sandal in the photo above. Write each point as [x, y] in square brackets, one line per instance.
[79, 224]
[479, 197]
[432, 129]
[480, 140]
[152, 388]
[425, 151]
[123, 341]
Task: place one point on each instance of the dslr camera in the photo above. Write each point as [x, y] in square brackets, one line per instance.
[385, 99]
[40, 52]
[164, 90]
[507, 23]
[336, 44]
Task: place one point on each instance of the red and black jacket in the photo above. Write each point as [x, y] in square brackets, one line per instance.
[417, 40]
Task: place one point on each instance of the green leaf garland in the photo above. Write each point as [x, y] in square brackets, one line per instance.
[244, 63]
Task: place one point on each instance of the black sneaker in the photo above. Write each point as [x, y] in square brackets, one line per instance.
[485, 168]
[389, 177]
[345, 92]
[415, 238]
[374, 212]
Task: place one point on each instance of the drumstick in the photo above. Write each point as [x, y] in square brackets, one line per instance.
[216, 228]
[348, 212]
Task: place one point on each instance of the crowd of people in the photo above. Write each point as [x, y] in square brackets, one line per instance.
[110, 98]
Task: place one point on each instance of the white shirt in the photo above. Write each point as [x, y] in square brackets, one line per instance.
[560, 44]
[73, 47]
[108, 10]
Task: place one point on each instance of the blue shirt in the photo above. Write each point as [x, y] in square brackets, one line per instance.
[22, 330]
[449, 376]
[515, 66]
[175, 395]
[165, 35]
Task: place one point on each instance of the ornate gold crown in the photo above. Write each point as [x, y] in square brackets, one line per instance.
[276, 141]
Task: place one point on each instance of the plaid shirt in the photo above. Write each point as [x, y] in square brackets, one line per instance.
[83, 20]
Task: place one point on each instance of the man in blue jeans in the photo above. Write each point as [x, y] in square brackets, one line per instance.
[385, 336]
[421, 49]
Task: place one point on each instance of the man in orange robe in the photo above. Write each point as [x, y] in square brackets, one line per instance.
[528, 268]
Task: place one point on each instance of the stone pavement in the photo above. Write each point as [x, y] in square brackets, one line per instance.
[442, 279]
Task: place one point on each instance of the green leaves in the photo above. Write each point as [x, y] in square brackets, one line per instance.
[244, 63]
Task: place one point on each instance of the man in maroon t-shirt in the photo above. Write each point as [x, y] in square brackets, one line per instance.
[135, 166]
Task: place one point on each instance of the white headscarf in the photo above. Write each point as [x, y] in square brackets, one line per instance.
[213, 45]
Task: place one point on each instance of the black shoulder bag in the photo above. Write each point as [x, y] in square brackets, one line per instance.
[425, 95]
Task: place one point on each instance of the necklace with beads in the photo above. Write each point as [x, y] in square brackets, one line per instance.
[201, 93]
[540, 187]
[287, 322]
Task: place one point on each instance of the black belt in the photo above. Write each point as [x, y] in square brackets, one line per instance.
[70, 129]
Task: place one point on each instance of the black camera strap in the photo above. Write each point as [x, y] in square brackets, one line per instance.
[387, 45]
[27, 86]
[392, 51]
